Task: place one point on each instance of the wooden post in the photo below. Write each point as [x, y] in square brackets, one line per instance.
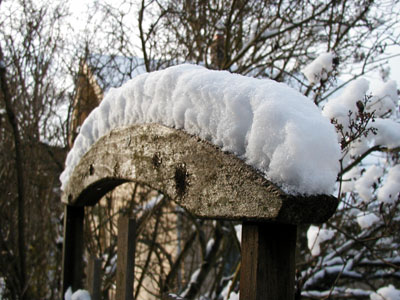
[72, 264]
[125, 258]
[268, 261]
[94, 278]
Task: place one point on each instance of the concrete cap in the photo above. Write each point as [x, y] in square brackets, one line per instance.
[201, 178]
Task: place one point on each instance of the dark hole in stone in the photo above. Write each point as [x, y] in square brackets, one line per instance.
[91, 170]
[157, 161]
[181, 179]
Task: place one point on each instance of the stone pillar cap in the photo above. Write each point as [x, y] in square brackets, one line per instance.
[201, 178]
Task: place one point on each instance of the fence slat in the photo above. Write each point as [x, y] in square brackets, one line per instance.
[126, 258]
[94, 278]
[268, 261]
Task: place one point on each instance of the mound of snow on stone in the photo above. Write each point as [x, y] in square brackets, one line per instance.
[267, 124]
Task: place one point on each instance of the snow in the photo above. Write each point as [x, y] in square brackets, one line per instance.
[338, 108]
[193, 280]
[210, 245]
[389, 192]
[2, 287]
[112, 266]
[232, 295]
[319, 68]
[388, 134]
[195, 276]
[360, 146]
[268, 33]
[366, 220]
[316, 236]
[60, 240]
[340, 291]
[238, 230]
[383, 102]
[68, 294]
[329, 272]
[149, 205]
[385, 99]
[77, 295]
[174, 296]
[349, 179]
[364, 184]
[270, 126]
[386, 293]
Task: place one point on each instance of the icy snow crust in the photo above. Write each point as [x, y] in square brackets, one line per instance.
[267, 124]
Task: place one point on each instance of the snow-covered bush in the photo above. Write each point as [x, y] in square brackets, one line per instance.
[362, 255]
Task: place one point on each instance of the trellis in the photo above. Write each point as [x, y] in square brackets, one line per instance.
[208, 183]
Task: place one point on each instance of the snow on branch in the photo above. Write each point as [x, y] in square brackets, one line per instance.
[316, 236]
[386, 293]
[319, 68]
[337, 292]
[77, 295]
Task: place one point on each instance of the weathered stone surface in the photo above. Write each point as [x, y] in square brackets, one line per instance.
[197, 175]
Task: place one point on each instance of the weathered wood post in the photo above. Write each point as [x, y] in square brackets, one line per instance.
[94, 278]
[208, 183]
[72, 268]
[126, 257]
[268, 261]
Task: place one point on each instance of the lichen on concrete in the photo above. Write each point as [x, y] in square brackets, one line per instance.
[201, 178]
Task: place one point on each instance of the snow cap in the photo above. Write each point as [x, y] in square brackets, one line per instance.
[269, 125]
